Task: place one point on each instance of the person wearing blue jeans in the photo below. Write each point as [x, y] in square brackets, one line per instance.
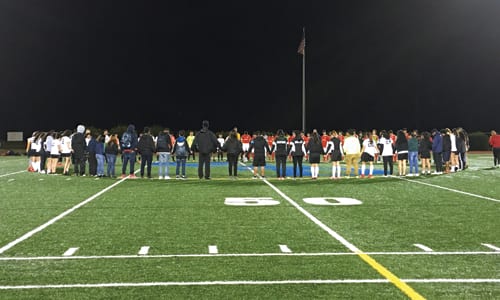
[99, 155]
[128, 144]
[163, 148]
[413, 155]
[111, 152]
[181, 152]
[164, 160]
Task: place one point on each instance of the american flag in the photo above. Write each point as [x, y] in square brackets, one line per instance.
[302, 46]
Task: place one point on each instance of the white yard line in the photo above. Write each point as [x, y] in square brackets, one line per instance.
[450, 189]
[144, 250]
[59, 217]
[71, 251]
[242, 282]
[213, 249]
[423, 247]
[165, 256]
[14, 173]
[285, 249]
[492, 247]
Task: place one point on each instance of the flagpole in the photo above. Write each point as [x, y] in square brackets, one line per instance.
[304, 82]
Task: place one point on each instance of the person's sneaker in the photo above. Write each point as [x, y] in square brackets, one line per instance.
[363, 176]
[177, 177]
[254, 177]
[183, 177]
[167, 177]
[132, 176]
[123, 176]
[160, 177]
[370, 176]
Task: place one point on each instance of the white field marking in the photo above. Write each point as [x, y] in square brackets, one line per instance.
[71, 251]
[213, 249]
[59, 217]
[315, 220]
[144, 250]
[285, 249]
[10, 179]
[450, 189]
[166, 256]
[269, 282]
[5, 175]
[491, 247]
[383, 271]
[423, 247]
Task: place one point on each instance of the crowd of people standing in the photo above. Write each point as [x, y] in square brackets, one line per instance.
[411, 151]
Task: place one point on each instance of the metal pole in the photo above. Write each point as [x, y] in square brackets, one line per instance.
[304, 84]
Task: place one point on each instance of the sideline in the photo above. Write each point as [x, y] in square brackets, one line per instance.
[270, 282]
[405, 288]
[59, 217]
[8, 174]
[450, 189]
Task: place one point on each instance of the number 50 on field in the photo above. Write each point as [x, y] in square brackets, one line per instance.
[268, 201]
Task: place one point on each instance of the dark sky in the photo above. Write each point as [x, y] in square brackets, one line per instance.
[369, 64]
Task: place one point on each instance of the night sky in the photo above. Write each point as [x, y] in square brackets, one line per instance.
[369, 64]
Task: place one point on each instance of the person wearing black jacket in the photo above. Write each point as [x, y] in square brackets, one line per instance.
[446, 149]
[315, 149]
[297, 150]
[280, 149]
[146, 147]
[79, 147]
[205, 143]
[233, 147]
[259, 146]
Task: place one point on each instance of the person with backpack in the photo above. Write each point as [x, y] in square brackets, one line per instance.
[205, 143]
[128, 144]
[181, 152]
[163, 149]
[146, 147]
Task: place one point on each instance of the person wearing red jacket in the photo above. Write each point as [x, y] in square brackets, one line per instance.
[495, 145]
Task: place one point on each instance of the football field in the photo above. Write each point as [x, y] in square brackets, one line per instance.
[426, 237]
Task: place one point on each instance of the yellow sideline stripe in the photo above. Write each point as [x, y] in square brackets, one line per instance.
[405, 288]
[408, 290]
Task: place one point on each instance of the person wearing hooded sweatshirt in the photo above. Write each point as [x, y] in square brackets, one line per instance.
[128, 144]
[181, 152]
[205, 143]
[79, 147]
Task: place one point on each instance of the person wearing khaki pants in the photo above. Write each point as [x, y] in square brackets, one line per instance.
[352, 150]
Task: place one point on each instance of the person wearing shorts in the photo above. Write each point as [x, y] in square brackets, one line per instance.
[334, 147]
[315, 149]
[259, 146]
[401, 146]
[368, 152]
